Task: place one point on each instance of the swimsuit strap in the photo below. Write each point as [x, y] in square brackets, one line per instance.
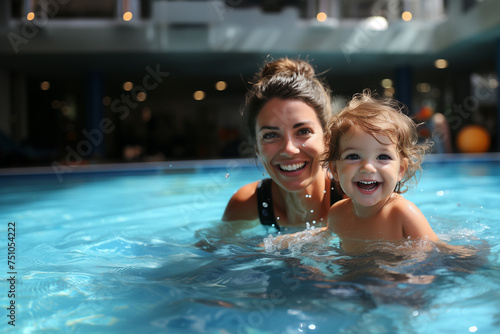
[265, 203]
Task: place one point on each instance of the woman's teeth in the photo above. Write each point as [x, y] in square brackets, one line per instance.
[293, 167]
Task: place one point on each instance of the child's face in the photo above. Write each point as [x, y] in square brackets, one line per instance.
[290, 141]
[368, 169]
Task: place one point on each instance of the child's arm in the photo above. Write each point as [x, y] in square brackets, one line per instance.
[415, 225]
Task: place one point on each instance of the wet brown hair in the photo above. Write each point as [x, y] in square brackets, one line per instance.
[287, 79]
[378, 116]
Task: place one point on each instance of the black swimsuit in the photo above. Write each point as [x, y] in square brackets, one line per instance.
[265, 202]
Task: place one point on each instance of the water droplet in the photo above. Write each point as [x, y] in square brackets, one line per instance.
[227, 175]
[264, 204]
[324, 192]
[277, 218]
[303, 145]
[312, 211]
[170, 166]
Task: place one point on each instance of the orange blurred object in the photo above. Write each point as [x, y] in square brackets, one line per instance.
[425, 112]
[473, 139]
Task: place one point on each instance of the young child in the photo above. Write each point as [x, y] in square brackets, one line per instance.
[372, 154]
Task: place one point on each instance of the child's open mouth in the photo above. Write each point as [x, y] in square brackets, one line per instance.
[368, 185]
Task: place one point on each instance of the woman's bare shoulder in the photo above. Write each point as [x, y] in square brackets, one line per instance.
[243, 204]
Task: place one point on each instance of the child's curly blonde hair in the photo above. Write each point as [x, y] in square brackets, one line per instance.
[378, 116]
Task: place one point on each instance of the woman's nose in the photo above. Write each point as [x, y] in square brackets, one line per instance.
[290, 147]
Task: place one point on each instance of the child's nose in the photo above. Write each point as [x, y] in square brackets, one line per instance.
[367, 167]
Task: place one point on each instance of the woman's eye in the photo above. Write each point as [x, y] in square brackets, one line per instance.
[304, 131]
[269, 136]
[384, 157]
[352, 156]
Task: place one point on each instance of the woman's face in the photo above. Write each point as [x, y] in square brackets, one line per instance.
[290, 142]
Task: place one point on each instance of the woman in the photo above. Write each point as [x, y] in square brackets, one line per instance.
[287, 111]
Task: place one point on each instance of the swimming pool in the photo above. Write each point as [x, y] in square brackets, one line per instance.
[116, 249]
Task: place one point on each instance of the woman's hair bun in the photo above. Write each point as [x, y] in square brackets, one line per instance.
[287, 67]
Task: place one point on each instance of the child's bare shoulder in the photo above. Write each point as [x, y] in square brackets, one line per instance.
[339, 206]
[413, 220]
[402, 207]
[337, 212]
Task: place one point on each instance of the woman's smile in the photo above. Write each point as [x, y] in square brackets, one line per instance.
[292, 167]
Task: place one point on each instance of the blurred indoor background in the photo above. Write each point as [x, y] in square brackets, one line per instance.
[97, 81]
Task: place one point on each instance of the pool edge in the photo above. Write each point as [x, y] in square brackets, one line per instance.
[204, 164]
[130, 167]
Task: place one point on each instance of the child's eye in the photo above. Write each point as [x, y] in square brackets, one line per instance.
[384, 157]
[352, 156]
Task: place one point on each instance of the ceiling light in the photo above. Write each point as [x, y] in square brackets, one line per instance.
[406, 16]
[377, 23]
[220, 85]
[199, 95]
[441, 63]
[45, 85]
[386, 83]
[321, 17]
[423, 87]
[141, 96]
[127, 86]
[127, 16]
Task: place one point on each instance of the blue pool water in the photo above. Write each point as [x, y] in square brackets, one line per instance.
[142, 250]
